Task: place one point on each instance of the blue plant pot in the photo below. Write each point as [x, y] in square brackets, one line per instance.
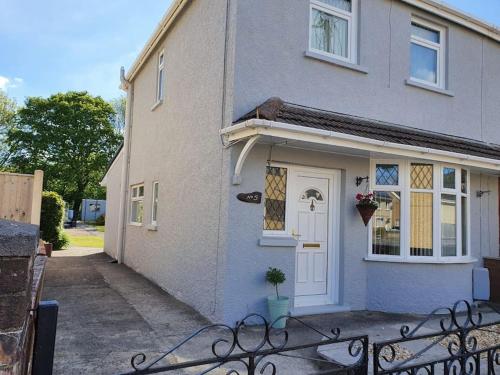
[278, 307]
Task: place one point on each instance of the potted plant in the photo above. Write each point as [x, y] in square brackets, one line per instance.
[366, 206]
[278, 305]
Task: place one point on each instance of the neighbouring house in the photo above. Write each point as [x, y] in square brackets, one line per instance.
[253, 124]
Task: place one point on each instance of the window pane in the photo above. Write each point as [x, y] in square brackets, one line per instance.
[136, 211]
[423, 63]
[449, 178]
[464, 226]
[387, 174]
[386, 224]
[463, 180]
[448, 225]
[425, 33]
[329, 33]
[421, 213]
[275, 198]
[160, 60]
[421, 176]
[134, 192]
[155, 202]
[160, 84]
[141, 191]
[341, 4]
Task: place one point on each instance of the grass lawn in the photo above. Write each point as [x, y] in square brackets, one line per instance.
[100, 228]
[86, 241]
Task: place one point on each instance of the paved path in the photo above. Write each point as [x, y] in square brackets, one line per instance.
[107, 313]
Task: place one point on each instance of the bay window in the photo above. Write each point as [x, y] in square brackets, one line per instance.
[333, 28]
[423, 211]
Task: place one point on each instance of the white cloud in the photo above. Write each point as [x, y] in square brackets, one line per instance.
[4, 82]
[7, 83]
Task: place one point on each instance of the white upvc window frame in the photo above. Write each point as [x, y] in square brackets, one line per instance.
[136, 197]
[440, 49]
[352, 28]
[154, 202]
[160, 77]
[405, 187]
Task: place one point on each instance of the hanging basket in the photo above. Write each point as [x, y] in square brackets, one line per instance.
[366, 212]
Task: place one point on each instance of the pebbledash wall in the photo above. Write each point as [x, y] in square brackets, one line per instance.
[178, 144]
[205, 249]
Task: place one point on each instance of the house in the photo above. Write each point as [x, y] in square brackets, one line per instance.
[253, 124]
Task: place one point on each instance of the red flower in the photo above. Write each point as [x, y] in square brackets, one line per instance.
[359, 196]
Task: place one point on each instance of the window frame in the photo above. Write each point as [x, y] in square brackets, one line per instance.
[352, 28]
[136, 198]
[160, 77]
[437, 191]
[286, 231]
[440, 49]
[154, 202]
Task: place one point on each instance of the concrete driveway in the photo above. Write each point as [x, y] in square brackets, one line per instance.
[108, 313]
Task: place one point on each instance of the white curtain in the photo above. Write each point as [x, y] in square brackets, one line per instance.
[329, 33]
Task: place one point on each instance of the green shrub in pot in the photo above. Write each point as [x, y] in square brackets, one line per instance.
[278, 305]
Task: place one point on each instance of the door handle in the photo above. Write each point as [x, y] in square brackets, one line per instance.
[296, 235]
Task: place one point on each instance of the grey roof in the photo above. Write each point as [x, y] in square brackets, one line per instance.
[276, 109]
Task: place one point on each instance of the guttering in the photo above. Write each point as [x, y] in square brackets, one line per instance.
[254, 127]
[158, 34]
[457, 16]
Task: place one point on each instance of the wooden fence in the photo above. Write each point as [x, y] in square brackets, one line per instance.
[21, 197]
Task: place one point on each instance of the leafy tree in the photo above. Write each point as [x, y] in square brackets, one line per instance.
[8, 109]
[119, 105]
[70, 137]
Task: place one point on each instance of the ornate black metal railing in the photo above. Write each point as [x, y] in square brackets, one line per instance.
[233, 356]
[464, 343]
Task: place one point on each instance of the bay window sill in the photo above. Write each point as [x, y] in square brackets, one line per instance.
[152, 227]
[438, 90]
[465, 260]
[278, 241]
[337, 62]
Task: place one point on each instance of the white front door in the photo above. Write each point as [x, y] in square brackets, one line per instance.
[312, 225]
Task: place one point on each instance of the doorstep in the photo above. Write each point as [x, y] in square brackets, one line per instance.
[320, 309]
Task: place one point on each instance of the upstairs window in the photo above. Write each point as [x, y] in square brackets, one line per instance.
[160, 77]
[427, 53]
[333, 28]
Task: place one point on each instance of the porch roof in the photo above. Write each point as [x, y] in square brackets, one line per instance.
[277, 110]
[279, 122]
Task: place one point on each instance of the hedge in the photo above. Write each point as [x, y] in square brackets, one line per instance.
[52, 220]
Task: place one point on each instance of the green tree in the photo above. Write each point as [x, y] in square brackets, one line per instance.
[119, 105]
[70, 137]
[8, 110]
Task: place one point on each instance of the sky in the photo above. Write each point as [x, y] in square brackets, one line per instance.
[50, 46]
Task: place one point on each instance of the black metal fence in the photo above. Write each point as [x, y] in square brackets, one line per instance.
[463, 343]
[457, 340]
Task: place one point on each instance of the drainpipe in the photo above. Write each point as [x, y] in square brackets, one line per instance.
[127, 136]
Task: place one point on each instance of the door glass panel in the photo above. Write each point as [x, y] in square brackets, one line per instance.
[329, 33]
[275, 198]
[312, 194]
[386, 223]
[421, 176]
[448, 225]
[421, 232]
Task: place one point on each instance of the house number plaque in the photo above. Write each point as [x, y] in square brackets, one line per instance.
[255, 197]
